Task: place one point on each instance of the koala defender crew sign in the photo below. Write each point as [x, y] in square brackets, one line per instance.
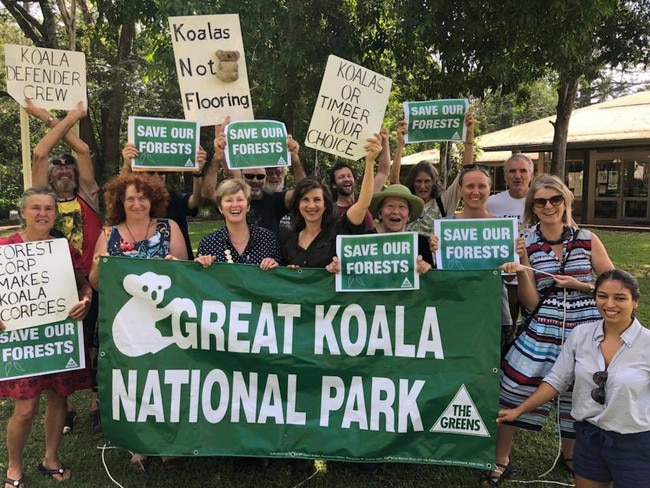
[211, 68]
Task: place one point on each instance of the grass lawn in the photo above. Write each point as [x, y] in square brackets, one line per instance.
[532, 454]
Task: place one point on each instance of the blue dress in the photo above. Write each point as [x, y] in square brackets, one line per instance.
[157, 246]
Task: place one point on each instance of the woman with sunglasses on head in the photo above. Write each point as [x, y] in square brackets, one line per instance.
[556, 286]
[608, 364]
[473, 188]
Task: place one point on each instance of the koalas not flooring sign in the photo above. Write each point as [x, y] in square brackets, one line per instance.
[232, 360]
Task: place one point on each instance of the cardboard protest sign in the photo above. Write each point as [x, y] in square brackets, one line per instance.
[37, 283]
[233, 360]
[164, 144]
[475, 243]
[436, 120]
[377, 262]
[52, 78]
[211, 68]
[256, 144]
[349, 109]
[45, 349]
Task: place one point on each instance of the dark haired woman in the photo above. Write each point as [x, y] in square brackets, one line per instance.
[312, 243]
[608, 364]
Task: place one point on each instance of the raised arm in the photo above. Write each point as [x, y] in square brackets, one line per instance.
[60, 130]
[383, 168]
[196, 198]
[401, 130]
[296, 166]
[357, 212]
[468, 152]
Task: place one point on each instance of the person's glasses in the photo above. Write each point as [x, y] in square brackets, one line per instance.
[475, 167]
[251, 176]
[555, 201]
[598, 394]
[61, 162]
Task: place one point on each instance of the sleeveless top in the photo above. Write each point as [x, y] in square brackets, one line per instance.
[156, 246]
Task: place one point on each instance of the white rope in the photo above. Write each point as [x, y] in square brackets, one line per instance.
[108, 473]
[306, 480]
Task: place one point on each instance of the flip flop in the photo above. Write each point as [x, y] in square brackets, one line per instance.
[15, 483]
[53, 472]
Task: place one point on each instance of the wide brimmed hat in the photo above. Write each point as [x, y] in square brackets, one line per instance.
[416, 204]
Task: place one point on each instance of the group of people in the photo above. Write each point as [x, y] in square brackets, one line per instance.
[547, 295]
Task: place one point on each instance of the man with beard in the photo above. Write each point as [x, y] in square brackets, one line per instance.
[343, 181]
[78, 220]
[268, 209]
[275, 179]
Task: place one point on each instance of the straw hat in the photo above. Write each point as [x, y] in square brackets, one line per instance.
[416, 204]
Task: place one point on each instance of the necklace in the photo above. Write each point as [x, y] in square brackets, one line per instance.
[566, 230]
[131, 234]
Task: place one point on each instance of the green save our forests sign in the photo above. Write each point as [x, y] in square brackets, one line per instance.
[376, 262]
[194, 363]
[475, 243]
[436, 120]
[164, 144]
[256, 144]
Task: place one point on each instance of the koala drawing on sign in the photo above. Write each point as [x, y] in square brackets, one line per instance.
[134, 327]
[227, 67]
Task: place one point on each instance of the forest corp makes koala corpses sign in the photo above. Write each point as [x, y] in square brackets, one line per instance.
[349, 109]
[211, 68]
[52, 78]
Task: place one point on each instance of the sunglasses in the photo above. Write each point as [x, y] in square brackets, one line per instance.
[62, 162]
[555, 201]
[598, 394]
[251, 176]
[475, 167]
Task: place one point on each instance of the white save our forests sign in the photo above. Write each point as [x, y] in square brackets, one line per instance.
[37, 283]
[211, 68]
[52, 78]
[350, 107]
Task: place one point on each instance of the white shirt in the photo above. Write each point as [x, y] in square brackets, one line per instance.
[503, 205]
[627, 391]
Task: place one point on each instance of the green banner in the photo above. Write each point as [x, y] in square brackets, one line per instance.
[436, 120]
[256, 144]
[164, 144]
[475, 243]
[377, 262]
[44, 349]
[233, 360]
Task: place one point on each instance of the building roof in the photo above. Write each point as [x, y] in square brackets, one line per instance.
[624, 121]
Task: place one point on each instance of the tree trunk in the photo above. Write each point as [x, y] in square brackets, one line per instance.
[566, 98]
[109, 164]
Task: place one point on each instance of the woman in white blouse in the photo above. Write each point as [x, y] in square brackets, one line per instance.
[609, 365]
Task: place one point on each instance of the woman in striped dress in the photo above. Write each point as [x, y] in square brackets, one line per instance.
[558, 295]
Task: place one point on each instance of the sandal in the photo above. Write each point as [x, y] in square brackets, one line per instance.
[492, 479]
[15, 483]
[53, 472]
[70, 417]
